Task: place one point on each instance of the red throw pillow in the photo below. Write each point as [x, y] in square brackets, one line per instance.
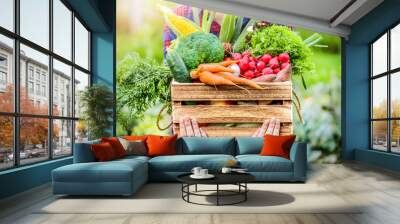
[277, 145]
[103, 152]
[116, 145]
[161, 145]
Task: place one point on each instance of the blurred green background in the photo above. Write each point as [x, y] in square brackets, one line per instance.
[140, 28]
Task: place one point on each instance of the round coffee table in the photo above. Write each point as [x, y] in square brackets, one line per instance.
[238, 179]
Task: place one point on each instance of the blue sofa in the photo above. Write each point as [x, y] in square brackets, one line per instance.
[125, 176]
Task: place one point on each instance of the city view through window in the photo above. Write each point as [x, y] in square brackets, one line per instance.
[39, 113]
[385, 81]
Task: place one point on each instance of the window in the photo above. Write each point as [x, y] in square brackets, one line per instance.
[6, 73]
[48, 78]
[385, 95]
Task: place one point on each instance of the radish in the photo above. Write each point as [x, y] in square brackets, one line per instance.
[246, 53]
[249, 74]
[266, 58]
[283, 65]
[267, 71]
[276, 71]
[273, 63]
[284, 57]
[252, 65]
[260, 65]
[265, 78]
[236, 56]
[243, 66]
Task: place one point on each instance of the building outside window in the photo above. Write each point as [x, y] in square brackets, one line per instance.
[34, 75]
[385, 94]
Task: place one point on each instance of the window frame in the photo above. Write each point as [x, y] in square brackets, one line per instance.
[388, 74]
[16, 114]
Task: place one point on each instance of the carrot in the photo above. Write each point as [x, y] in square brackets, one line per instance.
[194, 74]
[214, 68]
[238, 80]
[227, 63]
[209, 78]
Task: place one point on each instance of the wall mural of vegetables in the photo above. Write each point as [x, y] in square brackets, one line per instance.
[215, 49]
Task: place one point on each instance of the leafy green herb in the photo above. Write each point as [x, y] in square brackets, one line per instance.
[141, 84]
[276, 39]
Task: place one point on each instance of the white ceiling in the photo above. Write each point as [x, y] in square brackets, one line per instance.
[319, 15]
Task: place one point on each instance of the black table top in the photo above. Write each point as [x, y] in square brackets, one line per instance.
[220, 178]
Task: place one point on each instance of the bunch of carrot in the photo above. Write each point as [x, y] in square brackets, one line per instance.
[215, 74]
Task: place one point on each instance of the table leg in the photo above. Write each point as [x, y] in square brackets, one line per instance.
[245, 193]
[217, 194]
[195, 188]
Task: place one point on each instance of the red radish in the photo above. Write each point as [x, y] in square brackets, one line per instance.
[252, 65]
[257, 73]
[245, 59]
[265, 78]
[253, 59]
[266, 58]
[276, 71]
[260, 65]
[243, 66]
[284, 57]
[273, 63]
[236, 56]
[246, 53]
[249, 74]
[267, 71]
[284, 74]
[283, 65]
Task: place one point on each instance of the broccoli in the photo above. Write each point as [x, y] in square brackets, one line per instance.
[198, 48]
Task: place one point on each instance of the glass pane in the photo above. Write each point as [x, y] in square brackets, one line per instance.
[62, 138]
[395, 94]
[379, 135]
[81, 45]
[35, 21]
[6, 142]
[379, 55]
[33, 139]
[395, 47]
[34, 97]
[379, 98]
[81, 131]
[81, 81]
[62, 89]
[395, 136]
[7, 14]
[6, 74]
[62, 29]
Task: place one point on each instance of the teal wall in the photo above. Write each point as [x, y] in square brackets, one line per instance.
[356, 101]
[99, 16]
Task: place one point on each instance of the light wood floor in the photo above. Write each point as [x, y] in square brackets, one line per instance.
[379, 189]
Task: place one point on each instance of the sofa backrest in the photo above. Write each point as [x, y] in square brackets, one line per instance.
[249, 145]
[83, 153]
[209, 145]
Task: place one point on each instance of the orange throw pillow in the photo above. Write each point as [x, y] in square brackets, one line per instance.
[116, 145]
[103, 152]
[277, 145]
[161, 145]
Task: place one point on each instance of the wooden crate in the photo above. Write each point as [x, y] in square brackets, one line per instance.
[274, 101]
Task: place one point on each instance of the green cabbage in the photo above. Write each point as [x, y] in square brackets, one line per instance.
[198, 48]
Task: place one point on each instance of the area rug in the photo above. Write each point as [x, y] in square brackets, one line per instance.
[166, 198]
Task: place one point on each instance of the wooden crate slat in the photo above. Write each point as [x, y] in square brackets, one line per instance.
[219, 131]
[201, 92]
[232, 113]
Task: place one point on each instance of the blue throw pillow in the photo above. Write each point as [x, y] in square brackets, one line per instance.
[208, 145]
[249, 145]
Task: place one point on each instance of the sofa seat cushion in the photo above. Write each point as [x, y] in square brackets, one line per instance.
[113, 171]
[257, 163]
[185, 163]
